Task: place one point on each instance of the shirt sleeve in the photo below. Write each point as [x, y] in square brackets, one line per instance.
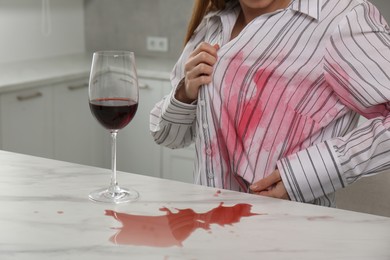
[172, 123]
[357, 67]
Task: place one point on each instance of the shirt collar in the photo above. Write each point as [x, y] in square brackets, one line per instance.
[310, 7]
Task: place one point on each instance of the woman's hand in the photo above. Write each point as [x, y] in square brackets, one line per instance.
[271, 186]
[197, 71]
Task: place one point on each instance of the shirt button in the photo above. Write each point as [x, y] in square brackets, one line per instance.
[202, 103]
[205, 126]
[208, 151]
[210, 175]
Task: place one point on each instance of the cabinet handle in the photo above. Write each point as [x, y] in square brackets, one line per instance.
[143, 85]
[76, 87]
[29, 96]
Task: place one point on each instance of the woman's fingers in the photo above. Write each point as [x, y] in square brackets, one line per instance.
[207, 48]
[204, 53]
[200, 58]
[199, 68]
[271, 186]
[279, 192]
[198, 81]
[267, 182]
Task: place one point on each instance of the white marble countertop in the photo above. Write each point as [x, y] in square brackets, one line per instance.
[45, 214]
[33, 73]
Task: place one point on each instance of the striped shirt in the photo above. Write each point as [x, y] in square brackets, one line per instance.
[286, 94]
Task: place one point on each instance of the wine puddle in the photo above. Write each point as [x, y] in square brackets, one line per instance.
[173, 228]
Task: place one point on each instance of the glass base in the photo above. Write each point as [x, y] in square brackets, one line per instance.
[119, 195]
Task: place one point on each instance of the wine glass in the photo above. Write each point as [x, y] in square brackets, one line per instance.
[113, 100]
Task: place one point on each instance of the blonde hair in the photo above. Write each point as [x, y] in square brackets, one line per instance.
[200, 9]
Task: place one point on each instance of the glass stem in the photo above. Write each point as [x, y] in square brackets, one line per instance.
[114, 184]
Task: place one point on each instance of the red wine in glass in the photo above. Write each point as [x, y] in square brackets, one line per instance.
[113, 113]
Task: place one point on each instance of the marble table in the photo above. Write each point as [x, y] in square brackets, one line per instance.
[46, 214]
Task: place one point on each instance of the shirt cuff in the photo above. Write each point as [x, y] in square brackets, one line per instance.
[311, 173]
[177, 112]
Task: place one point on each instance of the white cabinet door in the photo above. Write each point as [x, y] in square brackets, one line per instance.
[136, 150]
[26, 121]
[78, 137]
[178, 164]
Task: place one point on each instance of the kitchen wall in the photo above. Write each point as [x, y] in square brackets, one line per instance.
[28, 32]
[384, 8]
[125, 24]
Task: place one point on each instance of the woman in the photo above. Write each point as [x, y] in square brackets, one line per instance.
[270, 91]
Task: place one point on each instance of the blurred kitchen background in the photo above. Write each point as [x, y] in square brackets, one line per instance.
[45, 113]
[43, 28]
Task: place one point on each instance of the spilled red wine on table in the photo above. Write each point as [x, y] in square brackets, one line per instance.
[113, 113]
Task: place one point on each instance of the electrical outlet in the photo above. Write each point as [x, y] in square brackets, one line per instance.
[157, 44]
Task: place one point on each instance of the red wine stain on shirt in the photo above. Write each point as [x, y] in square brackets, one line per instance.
[173, 228]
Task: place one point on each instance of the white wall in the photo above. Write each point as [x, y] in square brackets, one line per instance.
[23, 34]
[125, 24]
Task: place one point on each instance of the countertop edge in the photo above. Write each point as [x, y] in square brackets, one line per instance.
[22, 75]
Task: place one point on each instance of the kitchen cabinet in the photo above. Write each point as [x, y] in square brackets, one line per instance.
[26, 121]
[52, 121]
[136, 150]
[78, 137]
[178, 164]
[44, 112]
